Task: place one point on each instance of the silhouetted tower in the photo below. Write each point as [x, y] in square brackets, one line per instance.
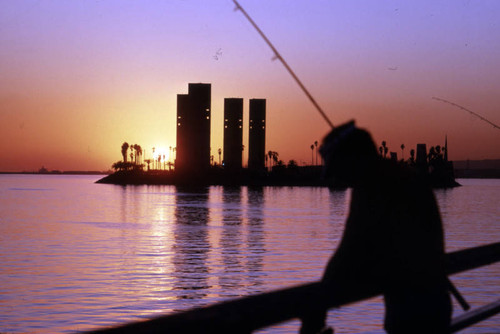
[233, 133]
[193, 129]
[257, 135]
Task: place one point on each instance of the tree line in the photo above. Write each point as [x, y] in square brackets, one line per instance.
[136, 155]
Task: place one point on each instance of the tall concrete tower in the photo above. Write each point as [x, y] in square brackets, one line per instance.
[233, 133]
[193, 129]
[257, 135]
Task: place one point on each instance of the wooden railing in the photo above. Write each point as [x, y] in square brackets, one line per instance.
[247, 314]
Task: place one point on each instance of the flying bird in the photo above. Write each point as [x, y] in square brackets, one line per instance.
[218, 54]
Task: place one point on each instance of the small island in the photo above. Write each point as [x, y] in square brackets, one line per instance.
[432, 166]
[193, 164]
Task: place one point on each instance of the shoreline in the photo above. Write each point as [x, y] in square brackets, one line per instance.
[311, 177]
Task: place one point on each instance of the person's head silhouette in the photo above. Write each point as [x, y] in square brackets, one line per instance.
[349, 154]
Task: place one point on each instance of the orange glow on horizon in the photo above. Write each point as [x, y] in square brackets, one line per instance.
[79, 80]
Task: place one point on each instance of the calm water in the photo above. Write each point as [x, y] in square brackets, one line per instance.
[75, 255]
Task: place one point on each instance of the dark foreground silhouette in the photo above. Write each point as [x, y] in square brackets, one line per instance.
[393, 238]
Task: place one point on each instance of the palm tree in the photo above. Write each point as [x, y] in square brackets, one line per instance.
[403, 151]
[133, 150]
[316, 145]
[219, 151]
[138, 153]
[154, 161]
[118, 165]
[270, 155]
[124, 151]
[385, 148]
[312, 154]
[432, 154]
[275, 157]
[438, 152]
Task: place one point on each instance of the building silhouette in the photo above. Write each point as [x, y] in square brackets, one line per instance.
[421, 161]
[257, 135]
[193, 129]
[233, 134]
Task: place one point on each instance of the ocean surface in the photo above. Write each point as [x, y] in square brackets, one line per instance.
[75, 255]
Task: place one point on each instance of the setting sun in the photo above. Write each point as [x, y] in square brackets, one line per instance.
[163, 154]
[162, 157]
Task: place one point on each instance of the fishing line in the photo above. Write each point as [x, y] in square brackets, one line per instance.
[280, 58]
[470, 111]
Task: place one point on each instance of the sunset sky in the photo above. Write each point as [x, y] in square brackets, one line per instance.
[78, 78]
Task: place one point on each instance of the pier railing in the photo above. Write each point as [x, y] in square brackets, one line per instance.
[248, 314]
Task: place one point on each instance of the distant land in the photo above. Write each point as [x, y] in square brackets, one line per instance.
[477, 164]
[484, 169]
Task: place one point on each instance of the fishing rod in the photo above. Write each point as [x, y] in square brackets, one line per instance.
[280, 58]
[470, 111]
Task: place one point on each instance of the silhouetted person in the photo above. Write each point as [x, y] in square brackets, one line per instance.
[393, 237]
